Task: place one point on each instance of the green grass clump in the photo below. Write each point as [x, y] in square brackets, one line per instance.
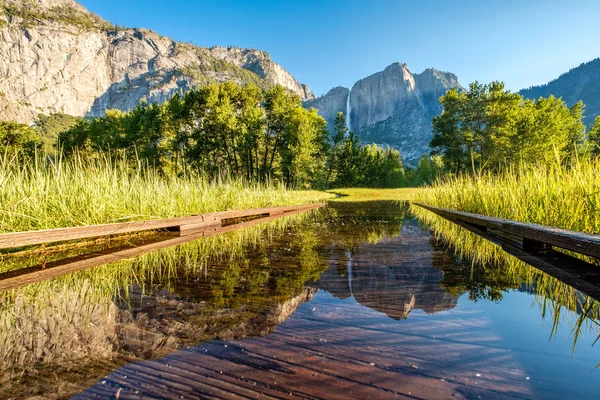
[42, 194]
[555, 195]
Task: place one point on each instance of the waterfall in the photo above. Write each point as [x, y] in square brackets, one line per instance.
[348, 110]
[349, 272]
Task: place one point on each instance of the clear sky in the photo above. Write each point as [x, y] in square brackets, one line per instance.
[327, 43]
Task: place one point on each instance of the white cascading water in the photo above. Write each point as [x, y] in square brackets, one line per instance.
[348, 110]
[349, 272]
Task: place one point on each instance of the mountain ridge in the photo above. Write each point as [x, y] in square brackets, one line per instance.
[57, 57]
[579, 83]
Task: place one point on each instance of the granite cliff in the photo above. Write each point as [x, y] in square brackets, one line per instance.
[393, 107]
[57, 57]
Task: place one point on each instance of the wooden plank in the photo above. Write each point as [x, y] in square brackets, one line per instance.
[574, 272]
[26, 276]
[583, 243]
[22, 239]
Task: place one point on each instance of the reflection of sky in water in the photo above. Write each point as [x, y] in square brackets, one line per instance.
[507, 338]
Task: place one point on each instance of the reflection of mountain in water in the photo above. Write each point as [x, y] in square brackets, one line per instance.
[154, 325]
[395, 276]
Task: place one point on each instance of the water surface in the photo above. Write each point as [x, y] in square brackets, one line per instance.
[354, 300]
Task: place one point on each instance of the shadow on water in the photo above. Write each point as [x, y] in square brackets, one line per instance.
[356, 299]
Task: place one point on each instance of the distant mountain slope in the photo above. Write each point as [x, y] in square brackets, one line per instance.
[580, 83]
[57, 57]
[393, 107]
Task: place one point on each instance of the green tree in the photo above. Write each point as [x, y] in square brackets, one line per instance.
[594, 137]
[487, 126]
[340, 131]
[16, 137]
[50, 126]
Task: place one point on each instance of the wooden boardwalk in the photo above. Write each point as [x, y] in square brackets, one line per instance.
[21, 277]
[533, 244]
[184, 225]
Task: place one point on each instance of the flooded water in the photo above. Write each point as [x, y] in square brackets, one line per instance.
[355, 300]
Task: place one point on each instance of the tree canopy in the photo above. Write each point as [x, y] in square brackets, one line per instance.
[487, 126]
[241, 131]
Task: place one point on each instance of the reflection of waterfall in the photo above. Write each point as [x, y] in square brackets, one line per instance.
[348, 110]
[349, 272]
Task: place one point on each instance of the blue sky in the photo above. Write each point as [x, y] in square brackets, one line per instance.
[330, 43]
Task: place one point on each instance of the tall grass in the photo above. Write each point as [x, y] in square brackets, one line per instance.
[43, 320]
[40, 194]
[556, 195]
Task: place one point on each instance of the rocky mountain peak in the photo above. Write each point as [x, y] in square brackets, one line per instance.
[393, 107]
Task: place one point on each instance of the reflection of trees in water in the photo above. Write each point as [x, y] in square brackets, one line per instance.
[84, 317]
[242, 283]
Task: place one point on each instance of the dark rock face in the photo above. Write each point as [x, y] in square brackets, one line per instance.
[393, 107]
[580, 83]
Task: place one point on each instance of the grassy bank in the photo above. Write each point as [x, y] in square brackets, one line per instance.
[40, 195]
[556, 195]
[363, 194]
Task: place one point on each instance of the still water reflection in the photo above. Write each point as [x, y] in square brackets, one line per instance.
[354, 300]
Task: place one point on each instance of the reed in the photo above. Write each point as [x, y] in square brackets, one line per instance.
[561, 195]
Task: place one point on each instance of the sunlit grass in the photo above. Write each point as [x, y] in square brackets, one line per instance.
[555, 195]
[362, 194]
[42, 194]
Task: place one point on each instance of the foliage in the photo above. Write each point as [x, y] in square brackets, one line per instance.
[42, 194]
[31, 15]
[354, 165]
[594, 137]
[238, 131]
[489, 127]
[18, 137]
[211, 69]
[50, 126]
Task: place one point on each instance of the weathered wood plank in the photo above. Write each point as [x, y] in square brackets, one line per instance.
[26, 276]
[583, 243]
[572, 271]
[194, 222]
